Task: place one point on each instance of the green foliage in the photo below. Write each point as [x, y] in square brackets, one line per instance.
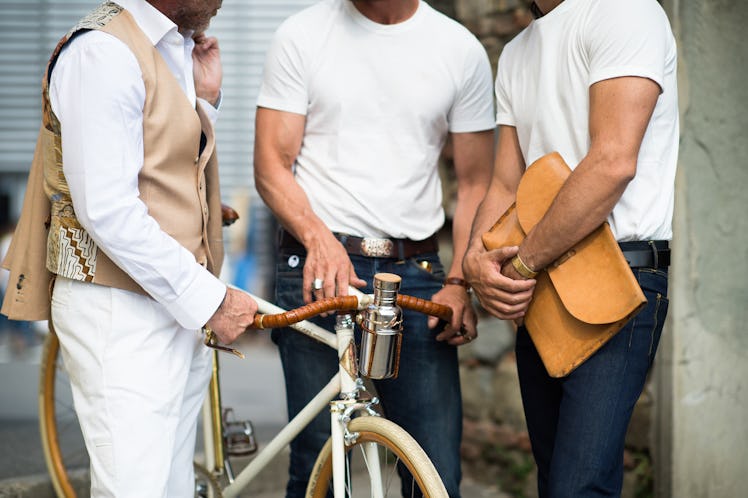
[513, 469]
[644, 475]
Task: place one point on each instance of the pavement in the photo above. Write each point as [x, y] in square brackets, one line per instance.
[253, 387]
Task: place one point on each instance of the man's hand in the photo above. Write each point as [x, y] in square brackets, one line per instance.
[234, 316]
[206, 68]
[328, 261]
[463, 327]
[503, 296]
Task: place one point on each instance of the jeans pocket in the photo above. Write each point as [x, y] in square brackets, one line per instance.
[662, 304]
[428, 265]
[289, 275]
[654, 284]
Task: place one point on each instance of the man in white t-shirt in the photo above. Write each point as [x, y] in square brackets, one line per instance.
[357, 101]
[594, 80]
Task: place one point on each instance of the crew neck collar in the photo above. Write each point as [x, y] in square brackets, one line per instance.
[556, 11]
[367, 23]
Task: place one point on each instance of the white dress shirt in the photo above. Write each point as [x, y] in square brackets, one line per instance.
[97, 92]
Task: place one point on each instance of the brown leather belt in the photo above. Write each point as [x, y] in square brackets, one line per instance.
[372, 247]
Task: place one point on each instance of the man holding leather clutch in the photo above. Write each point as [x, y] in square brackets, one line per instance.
[595, 81]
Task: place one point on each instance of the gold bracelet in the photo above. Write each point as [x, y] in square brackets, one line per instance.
[522, 268]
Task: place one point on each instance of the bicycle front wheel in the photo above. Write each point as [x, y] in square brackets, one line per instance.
[62, 441]
[394, 448]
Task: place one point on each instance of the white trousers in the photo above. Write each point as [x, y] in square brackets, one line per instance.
[138, 382]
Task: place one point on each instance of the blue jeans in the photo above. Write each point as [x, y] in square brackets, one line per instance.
[577, 424]
[425, 398]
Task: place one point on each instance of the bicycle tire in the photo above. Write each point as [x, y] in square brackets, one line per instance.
[390, 437]
[56, 416]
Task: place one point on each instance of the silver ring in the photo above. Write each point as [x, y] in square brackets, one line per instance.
[317, 284]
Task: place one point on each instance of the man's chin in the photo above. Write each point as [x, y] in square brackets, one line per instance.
[199, 26]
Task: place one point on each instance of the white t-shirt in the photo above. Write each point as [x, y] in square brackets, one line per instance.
[379, 101]
[542, 89]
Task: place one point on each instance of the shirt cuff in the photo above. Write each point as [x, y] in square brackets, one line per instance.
[211, 111]
[200, 300]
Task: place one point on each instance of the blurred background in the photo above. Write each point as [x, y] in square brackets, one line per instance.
[688, 437]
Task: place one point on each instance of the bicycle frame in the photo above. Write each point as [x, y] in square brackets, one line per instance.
[346, 383]
[370, 434]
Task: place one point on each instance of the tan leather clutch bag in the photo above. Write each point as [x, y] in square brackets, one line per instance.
[583, 298]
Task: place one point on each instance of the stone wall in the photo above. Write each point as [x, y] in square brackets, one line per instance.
[702, 435]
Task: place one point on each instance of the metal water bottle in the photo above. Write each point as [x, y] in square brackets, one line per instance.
[382, 326]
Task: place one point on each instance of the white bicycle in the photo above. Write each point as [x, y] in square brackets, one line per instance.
[364, 451]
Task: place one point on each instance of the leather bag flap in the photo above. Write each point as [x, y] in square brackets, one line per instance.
[538, 187]
[505, 232]
[593, 280]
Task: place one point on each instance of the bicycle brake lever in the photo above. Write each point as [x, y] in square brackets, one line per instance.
[211, 340]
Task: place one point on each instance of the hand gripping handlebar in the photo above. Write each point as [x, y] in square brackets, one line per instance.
[356, 301]
[346, 303]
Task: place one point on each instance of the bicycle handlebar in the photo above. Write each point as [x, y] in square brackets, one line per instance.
[346, 303]
[424, 306]
[340, 303]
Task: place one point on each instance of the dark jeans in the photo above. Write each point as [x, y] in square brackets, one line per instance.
[578, 423]
[425, 398]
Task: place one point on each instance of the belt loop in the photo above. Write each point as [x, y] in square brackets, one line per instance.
[654, 253]
[343, 238]
[400, 249]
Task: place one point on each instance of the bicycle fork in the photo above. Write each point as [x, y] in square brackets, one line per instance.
[343, 409]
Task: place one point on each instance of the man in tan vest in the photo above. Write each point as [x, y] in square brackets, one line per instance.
[122, 213]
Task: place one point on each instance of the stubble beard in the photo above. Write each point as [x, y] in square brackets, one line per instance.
[197, 22]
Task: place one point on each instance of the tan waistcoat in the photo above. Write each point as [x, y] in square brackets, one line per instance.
[178, 184]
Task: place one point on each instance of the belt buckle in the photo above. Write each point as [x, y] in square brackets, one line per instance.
[376, 248]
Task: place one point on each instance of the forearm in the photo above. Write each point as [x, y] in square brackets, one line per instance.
[581, 206]
[502, 190]
[278, 137]
[207, 69]
[473, 156]
[468, 200]
[496, 201]
[620, 109]
[289, 203]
